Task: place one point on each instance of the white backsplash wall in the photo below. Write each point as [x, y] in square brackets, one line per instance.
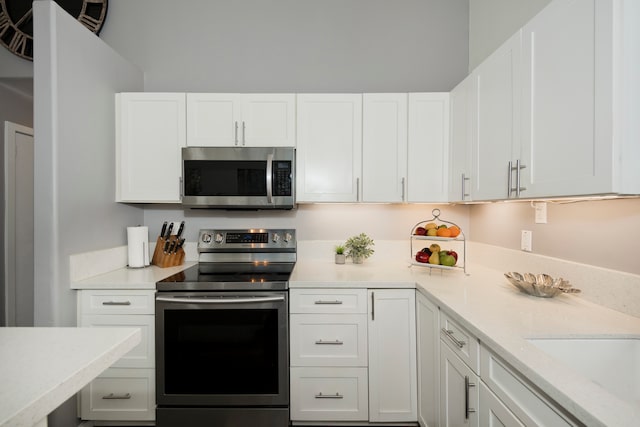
[603, 233]
[312, 221]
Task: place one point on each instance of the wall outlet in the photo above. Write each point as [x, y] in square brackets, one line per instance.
[525, 240]
[541, 212]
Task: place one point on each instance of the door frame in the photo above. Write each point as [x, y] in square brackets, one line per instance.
[10, 131]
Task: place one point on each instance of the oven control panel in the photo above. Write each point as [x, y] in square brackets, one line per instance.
[248, 240]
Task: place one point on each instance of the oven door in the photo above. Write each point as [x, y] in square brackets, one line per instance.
[224, 349]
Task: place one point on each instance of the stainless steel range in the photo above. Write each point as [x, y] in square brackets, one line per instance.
[222, 355]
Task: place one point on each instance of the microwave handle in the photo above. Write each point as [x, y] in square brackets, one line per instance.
[270, 178]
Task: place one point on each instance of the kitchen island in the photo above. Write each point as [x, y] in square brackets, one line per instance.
[40, 368]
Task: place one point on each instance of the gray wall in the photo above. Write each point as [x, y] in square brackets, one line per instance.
[293, 45]
[75, 78]
[15, 107]
[492, 22]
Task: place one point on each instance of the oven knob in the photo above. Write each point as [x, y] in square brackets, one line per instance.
[288, 237]
[276, 237]
[219, 238]
[206, 238]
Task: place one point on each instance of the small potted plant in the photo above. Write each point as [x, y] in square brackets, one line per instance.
[358, 248]
[340, 256]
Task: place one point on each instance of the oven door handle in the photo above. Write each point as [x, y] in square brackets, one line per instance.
[220, 300]
[270, 178]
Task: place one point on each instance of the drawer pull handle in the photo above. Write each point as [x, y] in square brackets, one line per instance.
[116, 303]
[335, 302]
[329, 396]
[112, 396]
[449, 334]
[336, 342]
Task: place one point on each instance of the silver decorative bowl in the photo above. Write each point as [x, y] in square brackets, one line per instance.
[540, 285]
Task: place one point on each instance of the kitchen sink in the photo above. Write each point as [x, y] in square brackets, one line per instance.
[612, 363]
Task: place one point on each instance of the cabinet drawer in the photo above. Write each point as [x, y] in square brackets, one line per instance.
[120, 394]
[328, 339]
[116, 302]
[142, 355]
[349, 301]
[329, 394]
[511, 388]
[462, 342]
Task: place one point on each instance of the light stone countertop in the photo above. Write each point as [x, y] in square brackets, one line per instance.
[130, 278]
[40, 368]
[502, 318]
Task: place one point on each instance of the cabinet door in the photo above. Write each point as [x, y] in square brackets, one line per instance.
[329, 147]
[428, 334]
[462, 109]
[392, 355]
[150, 131]
[564, 156]
[428, 157]
[496, 138]
[214, 119]
[384, 147]
[458, 391]
[493, 413]
[268, 120]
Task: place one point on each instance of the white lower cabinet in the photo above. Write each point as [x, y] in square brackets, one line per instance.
[428, 350]
[518, 395]
[458, 385]
[126, 391]
[353, 355]
[494, 413]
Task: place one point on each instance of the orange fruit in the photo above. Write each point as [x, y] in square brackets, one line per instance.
[454, 231]
[444, 232]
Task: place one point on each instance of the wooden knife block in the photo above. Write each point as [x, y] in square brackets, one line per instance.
[162, 259]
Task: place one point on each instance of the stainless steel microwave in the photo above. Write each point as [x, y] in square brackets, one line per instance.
[238, 177]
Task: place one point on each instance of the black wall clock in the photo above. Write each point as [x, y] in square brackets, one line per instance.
[16, 21]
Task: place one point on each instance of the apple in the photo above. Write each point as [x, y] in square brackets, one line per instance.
[447, 260]
[454, 254]
[420, 231]
[422, 257]
[426, 251]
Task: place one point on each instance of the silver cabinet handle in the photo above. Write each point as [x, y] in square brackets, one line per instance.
[449, 334]
[219, 300]
[321, 302]
[329, 396]
[323, 342]
[112, 396]
[373, 306]
[464, 179]
[467, 385]
[509, 179]
[116, 302]
[357, 189]
[403, 188]
[181, 189]
[519, 167]
[236, 133]
[244, 132]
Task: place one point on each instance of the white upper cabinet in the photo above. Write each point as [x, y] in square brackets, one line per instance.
[252, 120]
[428, 152]
[384, 147]
[571, 123]
[329, 147]
[150, 132]
[495, 122]
[462, 113]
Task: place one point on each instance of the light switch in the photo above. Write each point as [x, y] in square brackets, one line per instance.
[525, 240]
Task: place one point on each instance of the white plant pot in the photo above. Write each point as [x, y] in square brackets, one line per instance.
[340, 258]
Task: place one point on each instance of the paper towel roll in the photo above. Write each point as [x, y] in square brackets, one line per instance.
[138, 246]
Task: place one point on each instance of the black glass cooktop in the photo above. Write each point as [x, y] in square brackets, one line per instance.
[229, 276]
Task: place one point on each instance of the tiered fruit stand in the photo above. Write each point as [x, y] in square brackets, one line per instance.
[459, 241]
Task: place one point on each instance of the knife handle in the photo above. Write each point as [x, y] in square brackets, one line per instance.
[164, 228]
[180, 230]
[169, 230]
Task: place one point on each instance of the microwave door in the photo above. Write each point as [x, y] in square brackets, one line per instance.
[270, 179]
